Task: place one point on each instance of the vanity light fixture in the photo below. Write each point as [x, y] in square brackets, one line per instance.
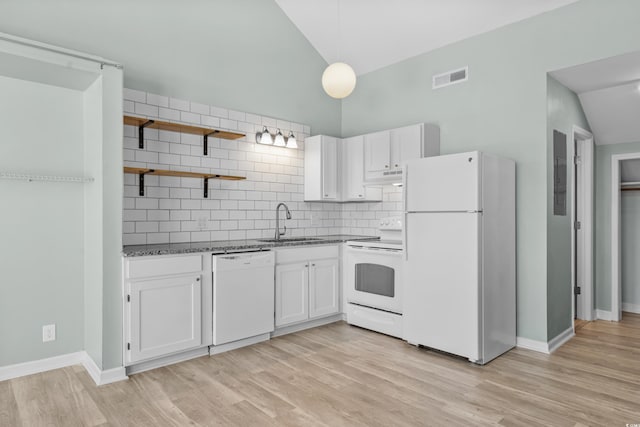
[278, 140]
[264, 137]
[291, 141]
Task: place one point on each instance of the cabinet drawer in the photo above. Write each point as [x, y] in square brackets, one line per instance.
[162, 266]
[285, 256]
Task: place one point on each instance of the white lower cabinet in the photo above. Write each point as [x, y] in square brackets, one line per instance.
[165, 310]
[306, 288]
[165, 316]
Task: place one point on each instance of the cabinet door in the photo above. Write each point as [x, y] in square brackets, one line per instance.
[329, 168]
[292, 293]
[324, 288]
[406, 144]
[353, 168]
[377, 152]
[164, 316]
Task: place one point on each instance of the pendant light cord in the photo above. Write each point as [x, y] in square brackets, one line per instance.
[339, 28]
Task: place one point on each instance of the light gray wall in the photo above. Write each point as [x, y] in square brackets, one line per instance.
[41, 223]
[240, 54]
[501, 110]
[563, 111]
[602, 244]
[630, 213]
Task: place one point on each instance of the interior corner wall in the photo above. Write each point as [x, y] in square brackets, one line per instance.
[112, 187]
[93, 266]
[563, 112]
[602, 218]
[501, 109]
[41, 244]
[242, 55]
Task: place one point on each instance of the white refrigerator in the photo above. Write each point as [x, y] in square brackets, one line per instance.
[460, 254]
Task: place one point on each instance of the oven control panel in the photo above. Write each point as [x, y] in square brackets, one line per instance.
[391, 223]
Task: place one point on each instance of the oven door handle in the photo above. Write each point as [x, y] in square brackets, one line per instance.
[373, 251]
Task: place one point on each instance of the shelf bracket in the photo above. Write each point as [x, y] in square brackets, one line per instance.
[206, 141]
[141, 132]
[206, 186]
[141, 181]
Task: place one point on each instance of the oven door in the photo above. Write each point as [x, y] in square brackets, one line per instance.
[374, 278]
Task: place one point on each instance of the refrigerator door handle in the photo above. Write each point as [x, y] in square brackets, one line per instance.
[405, 192]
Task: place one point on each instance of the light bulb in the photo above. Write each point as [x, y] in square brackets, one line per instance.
[264, 137]
[339, 80]
[291, 141]
[279, 141]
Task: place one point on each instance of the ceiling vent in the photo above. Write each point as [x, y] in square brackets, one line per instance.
[451, 77]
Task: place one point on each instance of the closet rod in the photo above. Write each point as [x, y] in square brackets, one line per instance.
[44, 178]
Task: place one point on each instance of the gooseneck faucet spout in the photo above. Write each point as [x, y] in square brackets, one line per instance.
[288, 214]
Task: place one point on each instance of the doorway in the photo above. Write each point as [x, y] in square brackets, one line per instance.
[582, 230]
[617, 185]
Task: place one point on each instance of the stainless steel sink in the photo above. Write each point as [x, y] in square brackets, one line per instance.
[288, 239]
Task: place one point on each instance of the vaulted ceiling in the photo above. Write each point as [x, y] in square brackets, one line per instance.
[371, 34]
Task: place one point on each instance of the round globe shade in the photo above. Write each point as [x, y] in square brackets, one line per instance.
[338, 80]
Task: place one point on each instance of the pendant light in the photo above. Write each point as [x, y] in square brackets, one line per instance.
[338, 79]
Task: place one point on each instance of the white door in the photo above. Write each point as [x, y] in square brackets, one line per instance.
[329, 168]
[377, 150]
[443, 183]
[292, 298]
[442, 282]
[323, 288]
[164, 316]
[405, 145]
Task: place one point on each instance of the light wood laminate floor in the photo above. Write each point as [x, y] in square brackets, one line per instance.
[341, 375]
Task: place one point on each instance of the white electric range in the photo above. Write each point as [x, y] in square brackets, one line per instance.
[374, 285]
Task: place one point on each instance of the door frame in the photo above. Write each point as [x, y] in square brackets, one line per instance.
[616, 261]
[584, 167]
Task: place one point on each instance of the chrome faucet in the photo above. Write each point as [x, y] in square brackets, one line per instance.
[286, 208]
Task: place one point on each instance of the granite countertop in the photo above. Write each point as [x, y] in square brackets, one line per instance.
[223, 246]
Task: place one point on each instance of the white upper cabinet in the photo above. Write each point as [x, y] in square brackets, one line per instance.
[385, 152]
[353, 188]
[377, 149]
[321, 169]
[348, 170]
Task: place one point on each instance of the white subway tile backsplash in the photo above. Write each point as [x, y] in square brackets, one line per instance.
[210, 121]
[168, 114]
[134, 95]
[179, 104]
[190, 117]
[159, 100]
[220, 112]
[199, 108]
[175, 210]
[128, 106]
[146, 109]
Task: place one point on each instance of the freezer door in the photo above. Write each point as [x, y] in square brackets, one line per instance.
[442, 282]
[443, 183]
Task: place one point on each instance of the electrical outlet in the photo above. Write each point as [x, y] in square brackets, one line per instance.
[48, 333]
[315, 220]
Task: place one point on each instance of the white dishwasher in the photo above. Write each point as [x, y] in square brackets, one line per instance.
[243, 295]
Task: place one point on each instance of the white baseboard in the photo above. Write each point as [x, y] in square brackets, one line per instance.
[42, 365]
[561, 339]
[217, 349]
[529, 344]
[307, 325]
[604, 315]
[78, 358]
[101, 377]
[167, 360]
[631, 308]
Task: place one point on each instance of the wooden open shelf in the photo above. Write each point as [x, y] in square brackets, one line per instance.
[141, 172]
[142, 123]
